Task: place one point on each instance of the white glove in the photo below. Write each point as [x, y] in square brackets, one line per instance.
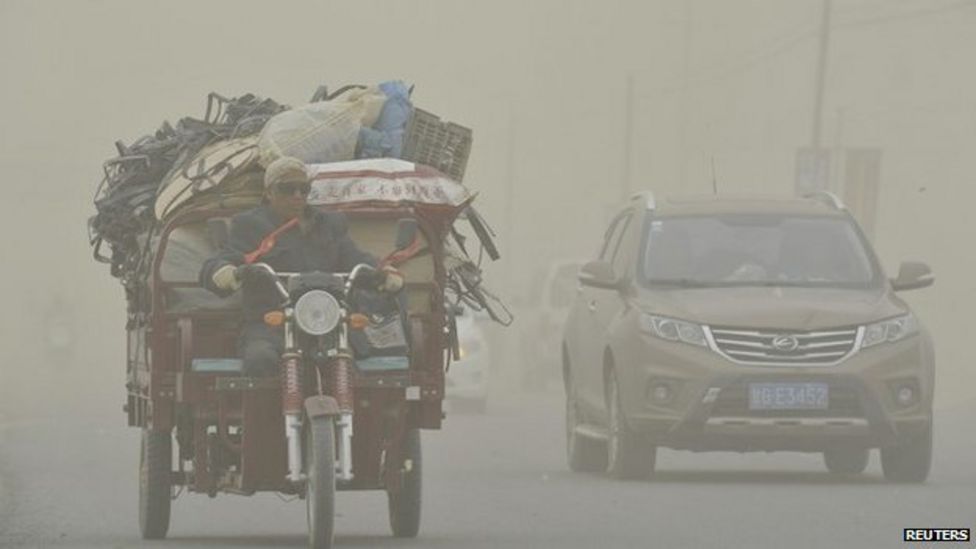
[393, 281]
[226, 278]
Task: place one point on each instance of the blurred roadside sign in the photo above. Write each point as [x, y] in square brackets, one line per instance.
[812, 170]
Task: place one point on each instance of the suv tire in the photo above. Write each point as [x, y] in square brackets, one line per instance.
[584, 455]
[910, 461]
[629, 456]
[846, 461]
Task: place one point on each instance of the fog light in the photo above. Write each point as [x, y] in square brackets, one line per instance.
[661, 393]
[905, 396]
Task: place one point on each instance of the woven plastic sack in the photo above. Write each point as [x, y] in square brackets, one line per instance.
[321, 132]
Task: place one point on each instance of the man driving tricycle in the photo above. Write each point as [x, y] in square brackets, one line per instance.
[287, 235]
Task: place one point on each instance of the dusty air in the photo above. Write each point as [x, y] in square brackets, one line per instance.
[682, 273]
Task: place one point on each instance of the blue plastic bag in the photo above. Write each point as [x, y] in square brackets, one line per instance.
[385, 138]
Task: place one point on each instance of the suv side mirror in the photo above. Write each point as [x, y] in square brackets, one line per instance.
[912, 275]
[599, 274]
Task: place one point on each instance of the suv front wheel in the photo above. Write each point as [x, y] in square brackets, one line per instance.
[629, 456]
[583, 454]
[911, 461]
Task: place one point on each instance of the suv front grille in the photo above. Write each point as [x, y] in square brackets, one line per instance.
[758, 347]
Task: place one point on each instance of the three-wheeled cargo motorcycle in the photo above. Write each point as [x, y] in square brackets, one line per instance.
[341, 415]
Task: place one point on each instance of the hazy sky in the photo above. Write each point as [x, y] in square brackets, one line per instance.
[545, 86]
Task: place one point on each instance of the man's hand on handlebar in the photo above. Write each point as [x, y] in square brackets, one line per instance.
[226, 278]
[392, 281]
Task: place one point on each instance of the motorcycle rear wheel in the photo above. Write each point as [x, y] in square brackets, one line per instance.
[404, 506]
[320, 487]
[155, 462]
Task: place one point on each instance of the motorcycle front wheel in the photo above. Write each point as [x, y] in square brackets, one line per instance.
[320, 485]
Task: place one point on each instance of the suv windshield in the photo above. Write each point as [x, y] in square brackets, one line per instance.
[755, 250]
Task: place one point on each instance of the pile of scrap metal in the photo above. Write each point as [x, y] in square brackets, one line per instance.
[126, 197]
[218, 162]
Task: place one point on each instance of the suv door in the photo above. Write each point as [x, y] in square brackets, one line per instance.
[599, 306]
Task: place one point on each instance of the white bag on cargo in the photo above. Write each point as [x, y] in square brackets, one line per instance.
[326, 131]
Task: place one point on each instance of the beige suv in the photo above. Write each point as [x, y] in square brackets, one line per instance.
[745, 324]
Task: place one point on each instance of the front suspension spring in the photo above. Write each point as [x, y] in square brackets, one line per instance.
[341, 373]
[292, 391]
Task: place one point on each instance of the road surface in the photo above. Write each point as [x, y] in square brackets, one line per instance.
[497, 480]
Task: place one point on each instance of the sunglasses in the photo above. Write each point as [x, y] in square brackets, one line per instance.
[291, 187]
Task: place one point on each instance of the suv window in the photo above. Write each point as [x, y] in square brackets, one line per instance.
[764, 250]
[622, 248]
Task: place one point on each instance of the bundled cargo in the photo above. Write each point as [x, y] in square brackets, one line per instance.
[126, 199]
[217, 162]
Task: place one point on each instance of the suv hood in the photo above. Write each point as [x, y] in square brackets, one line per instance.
[771, 307]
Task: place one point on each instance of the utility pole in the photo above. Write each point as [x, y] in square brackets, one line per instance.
[625, 191]
[510, 199]
[686, 89]
[509, 345]
[821, 74]
[813, 162]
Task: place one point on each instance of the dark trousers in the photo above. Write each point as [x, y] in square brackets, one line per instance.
[260, 346]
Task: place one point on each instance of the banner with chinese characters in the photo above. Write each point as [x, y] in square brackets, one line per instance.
[383, 180]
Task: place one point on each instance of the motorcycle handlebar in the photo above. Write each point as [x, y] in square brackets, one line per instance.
[351, 278]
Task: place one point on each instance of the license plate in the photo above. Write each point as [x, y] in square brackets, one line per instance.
[788, 396]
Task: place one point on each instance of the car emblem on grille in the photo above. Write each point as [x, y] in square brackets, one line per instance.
[785, 343]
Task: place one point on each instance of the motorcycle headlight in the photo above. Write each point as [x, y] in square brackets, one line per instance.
[673, 330]
[893, 329]
[317, 312]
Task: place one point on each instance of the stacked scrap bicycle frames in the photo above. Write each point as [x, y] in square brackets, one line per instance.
[219, 161]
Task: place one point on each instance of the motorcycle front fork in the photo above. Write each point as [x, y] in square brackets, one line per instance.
[344, 449]
[339, 385]
[343, 432]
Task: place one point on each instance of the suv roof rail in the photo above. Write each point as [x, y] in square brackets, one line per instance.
[828, 198]
[647, 196]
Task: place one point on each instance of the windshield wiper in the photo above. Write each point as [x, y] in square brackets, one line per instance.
[779, 284]
[680, 282]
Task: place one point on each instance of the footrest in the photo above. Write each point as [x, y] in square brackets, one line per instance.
[383, 363]
[217, 365]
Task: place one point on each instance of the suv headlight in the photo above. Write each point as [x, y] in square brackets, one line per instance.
[317, 312]
[672, 329]
[891, 330]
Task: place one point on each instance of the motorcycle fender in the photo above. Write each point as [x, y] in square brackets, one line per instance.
[321, 405]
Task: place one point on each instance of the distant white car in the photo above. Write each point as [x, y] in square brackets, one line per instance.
[467, 378]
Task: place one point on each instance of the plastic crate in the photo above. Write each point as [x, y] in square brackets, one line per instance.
[444, 146]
